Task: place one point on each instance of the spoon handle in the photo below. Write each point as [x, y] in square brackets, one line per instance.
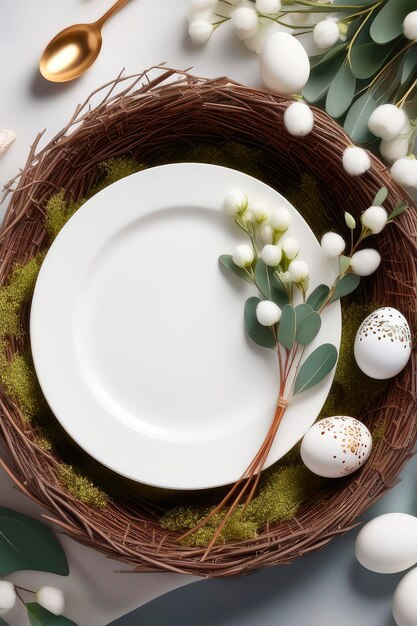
[116, 6]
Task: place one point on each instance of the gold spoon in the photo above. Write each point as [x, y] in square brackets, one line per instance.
[72, 51]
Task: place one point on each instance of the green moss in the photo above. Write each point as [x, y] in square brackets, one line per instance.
[15, 294]
[115, 169]
[228, 154]
[282, 491]
[19, 381]
[58, 212]
[81, 487]
[307, 199]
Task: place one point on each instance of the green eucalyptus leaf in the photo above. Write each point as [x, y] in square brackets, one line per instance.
[262, 335]
[318, 296]
[301, 312]
[367, 58]
[350, 221]
[341, 92]
[344, 262]
[316, 367]
[287, 327]
[38, 616]
[381, 196]
[400, 208]
[308, 329]
[409, 65]
[356, 122]
[351, 5]
[388, 23]
[227, 261]
[345, 286]
[3, 623]
[279, 297]
[263, 277]
[26, 544]
[323, 74]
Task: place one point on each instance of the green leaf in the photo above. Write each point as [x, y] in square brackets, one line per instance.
[3, 623]
[356, 122]
[279, 297]
[318, 296]
[367, 58]
[341, 92]
[316, 367]
[388, 23]
[350, 221]
[381, 196]
[301, 312]
[344, 262]
[400, 208]
[308, 329]
[38, 616]
[227, 261]
[26, 544]
[263, 277]
[345, 286]
[322, 74]
[409, 65]
[262, 335]
[287, 327]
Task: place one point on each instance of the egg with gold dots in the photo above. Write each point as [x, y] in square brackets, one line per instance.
[383, 343]
[336, 446]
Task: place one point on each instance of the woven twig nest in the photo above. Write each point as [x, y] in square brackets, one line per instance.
[140, 117]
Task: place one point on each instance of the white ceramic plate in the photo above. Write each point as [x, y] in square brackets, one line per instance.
[137, 333]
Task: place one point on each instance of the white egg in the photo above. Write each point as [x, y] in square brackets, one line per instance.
[404, 607]
[388, 543]
[336, 446]
[284, 64]
[383, 343]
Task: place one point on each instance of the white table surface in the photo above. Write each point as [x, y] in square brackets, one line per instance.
[144, 33]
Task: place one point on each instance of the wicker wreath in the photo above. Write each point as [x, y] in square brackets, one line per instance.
[139, 116]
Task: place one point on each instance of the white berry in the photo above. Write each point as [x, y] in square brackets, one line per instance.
[266, 233]
[333, 244]
[271, 255]
[410, 26]
[387, 121]
[280, 219]
[356, 161]
[268, 7]
[260, 212]
[236, 202]
[298, 271]
[404, 172]
[365, 262]
[243, 256]
[7, 596]
[245, 22]
[299, 119]
[326, 33]
[268, 313]
[200, 31]
[290, 248]
[374, 218]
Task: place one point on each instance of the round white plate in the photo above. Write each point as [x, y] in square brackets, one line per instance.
[138, 338]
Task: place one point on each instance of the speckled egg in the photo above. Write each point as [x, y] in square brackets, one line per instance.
[383, 343]
[404, 607]
[388, 543]
[336, 446]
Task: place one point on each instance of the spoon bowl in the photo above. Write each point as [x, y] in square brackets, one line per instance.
[70, 53]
